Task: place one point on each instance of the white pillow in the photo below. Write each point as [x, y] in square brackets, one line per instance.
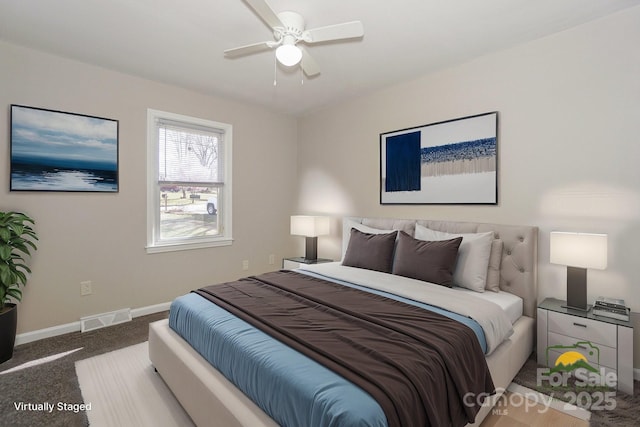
[346, 232]
[473, 256]
[493, 272]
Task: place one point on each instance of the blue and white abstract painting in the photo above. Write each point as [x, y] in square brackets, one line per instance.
[58, 151]
[452, 162]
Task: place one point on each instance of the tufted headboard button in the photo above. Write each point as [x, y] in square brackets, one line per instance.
[521, 238]
[521, 269]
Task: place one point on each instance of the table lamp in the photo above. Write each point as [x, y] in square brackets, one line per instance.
[578, 251]
[311, 227]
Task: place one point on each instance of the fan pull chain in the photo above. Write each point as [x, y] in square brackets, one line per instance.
[275, 71]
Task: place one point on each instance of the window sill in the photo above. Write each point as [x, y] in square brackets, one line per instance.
[173, 247]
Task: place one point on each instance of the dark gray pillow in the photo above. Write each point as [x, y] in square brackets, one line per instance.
[370, 251]
[427, 261]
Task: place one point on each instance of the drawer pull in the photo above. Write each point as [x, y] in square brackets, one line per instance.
[579, 324]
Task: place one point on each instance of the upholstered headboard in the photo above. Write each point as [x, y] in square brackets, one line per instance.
[518, 267]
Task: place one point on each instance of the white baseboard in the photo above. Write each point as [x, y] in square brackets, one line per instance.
[75, 326]
[150, 309]
[47, 332]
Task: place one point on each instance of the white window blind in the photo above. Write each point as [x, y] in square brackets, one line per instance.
[189, 154]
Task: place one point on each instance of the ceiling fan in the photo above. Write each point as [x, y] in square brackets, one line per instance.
[288, 30]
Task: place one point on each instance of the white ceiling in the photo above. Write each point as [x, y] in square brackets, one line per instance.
[181, 42]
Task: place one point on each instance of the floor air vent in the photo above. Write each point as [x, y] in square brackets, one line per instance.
[98, 321]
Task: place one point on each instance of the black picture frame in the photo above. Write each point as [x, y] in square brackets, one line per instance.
[449, 162]
[54, 150]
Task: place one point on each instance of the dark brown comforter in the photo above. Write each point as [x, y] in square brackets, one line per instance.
[417, 364]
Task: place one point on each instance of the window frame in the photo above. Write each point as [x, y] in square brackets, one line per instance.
[224, 238]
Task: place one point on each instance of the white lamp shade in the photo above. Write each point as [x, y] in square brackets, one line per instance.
[579, 249]
[309, 226]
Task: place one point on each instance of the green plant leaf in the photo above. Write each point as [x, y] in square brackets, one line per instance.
[20, 277]
[5, 234]
[17, 240]
[15, 293]
[19, 245]
[5, 277]
[5, 252]
[23, 267]
[17, 229]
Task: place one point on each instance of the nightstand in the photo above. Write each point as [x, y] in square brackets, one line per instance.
[609, 341]
[293, 263]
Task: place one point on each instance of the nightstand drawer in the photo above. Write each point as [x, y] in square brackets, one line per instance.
[584, 329]
[599, 354]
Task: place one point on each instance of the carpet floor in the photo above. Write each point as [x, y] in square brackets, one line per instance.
[42, 375]
[33, 378]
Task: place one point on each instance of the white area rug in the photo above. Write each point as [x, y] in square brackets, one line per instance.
[124, 390]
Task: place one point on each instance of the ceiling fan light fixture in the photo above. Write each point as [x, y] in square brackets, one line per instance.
[288, 29]
[288, 54]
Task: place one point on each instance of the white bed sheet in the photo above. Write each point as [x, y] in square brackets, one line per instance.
[510, 303]
[494, 321]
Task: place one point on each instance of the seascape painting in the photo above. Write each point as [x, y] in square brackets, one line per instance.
[451, 162]
[58, 151]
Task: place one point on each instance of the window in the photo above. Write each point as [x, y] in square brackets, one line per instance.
[189, 182]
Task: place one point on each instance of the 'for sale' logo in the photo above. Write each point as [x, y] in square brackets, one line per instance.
[573, 357]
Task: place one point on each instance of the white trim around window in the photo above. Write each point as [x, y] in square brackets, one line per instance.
[157, 241]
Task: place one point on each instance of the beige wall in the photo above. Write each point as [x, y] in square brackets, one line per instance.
[102, 237]
[569, 108]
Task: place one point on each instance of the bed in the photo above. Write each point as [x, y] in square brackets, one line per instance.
[211, 399]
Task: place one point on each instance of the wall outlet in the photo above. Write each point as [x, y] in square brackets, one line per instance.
[272, 259]
[245, 264]
[86, 288]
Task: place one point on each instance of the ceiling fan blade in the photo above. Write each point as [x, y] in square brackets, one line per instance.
[308, 64]
[248, 49]
[264, 11]
[346, 30]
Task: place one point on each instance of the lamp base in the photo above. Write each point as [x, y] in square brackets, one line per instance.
[577, 288]
[311, 249]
